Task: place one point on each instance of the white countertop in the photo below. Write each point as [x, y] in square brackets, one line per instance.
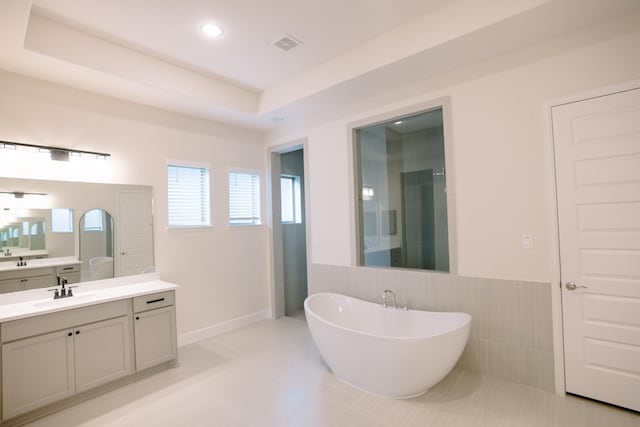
[18, 305]
[38, 263]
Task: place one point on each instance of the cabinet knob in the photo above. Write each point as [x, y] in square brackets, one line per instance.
[70, 334]
[137, 317]
[77, 332]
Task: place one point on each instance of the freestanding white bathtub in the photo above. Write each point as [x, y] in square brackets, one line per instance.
[391, 353]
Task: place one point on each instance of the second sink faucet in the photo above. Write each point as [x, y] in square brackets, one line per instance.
[385, 304]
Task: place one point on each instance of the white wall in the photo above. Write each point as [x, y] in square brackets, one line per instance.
[498, 138]
[223, 273]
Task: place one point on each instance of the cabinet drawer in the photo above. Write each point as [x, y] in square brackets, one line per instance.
[62, 269]
[151, 301]
[36, 325]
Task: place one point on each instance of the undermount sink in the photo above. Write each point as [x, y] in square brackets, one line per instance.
[65, 301]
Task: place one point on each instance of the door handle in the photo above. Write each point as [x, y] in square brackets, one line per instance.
[572, 286]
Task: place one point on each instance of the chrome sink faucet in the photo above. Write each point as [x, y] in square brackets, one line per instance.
[63, 292]
[385, 304]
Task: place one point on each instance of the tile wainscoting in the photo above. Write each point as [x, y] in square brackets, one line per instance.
[511, 331]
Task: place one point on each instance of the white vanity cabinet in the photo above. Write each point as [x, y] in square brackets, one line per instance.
[58, 352]
[36, 371]
[155, 329]
[88, 347]
[21, 280]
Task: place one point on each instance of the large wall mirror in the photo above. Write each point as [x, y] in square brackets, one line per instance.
[108, 227]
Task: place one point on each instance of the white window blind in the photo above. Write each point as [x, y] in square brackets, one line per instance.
[188, 196]
[61, 220]
[244, 198]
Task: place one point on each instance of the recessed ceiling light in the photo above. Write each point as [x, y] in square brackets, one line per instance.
[399, 122]
[211, 30]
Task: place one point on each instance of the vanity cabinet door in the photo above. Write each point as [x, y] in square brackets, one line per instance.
[73, 277]
[35, 282]
[37, 371]
[155, 337]
[10, 285]
[102, 352]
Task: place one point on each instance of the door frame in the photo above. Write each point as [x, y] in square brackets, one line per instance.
[552, 217]
[276, 298]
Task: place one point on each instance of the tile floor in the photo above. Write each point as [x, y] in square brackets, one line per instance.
[270, 374]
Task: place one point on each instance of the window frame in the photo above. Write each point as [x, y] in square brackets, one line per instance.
[355, 192]
[70, 229]
[194, 165]
[296, 198]
[100, 219]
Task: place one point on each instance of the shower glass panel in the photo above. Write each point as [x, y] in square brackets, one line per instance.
[402, 193]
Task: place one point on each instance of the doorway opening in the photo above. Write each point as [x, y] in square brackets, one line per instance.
[289, 238]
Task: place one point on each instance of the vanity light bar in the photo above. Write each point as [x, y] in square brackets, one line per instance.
[21, 194]
[57, 153]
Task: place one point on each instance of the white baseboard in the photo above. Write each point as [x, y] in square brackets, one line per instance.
[223, 327]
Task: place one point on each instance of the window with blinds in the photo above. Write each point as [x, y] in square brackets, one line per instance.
[244, 198]
[188, 196]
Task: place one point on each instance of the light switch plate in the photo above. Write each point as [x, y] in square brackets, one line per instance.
[527, 241]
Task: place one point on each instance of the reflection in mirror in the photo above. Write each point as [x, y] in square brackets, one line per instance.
[96, 245]
[28, 233]
[53, 219]
[402, 193]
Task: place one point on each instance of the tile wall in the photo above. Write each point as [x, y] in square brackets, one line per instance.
[511, 331]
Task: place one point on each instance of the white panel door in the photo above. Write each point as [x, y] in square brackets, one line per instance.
[102, 352]
[36, 371]
[597, 153]
[136, 232]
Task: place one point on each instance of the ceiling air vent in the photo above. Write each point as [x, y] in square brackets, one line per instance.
[287, 42]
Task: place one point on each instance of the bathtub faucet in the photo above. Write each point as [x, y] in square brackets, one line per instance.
[385, 304]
